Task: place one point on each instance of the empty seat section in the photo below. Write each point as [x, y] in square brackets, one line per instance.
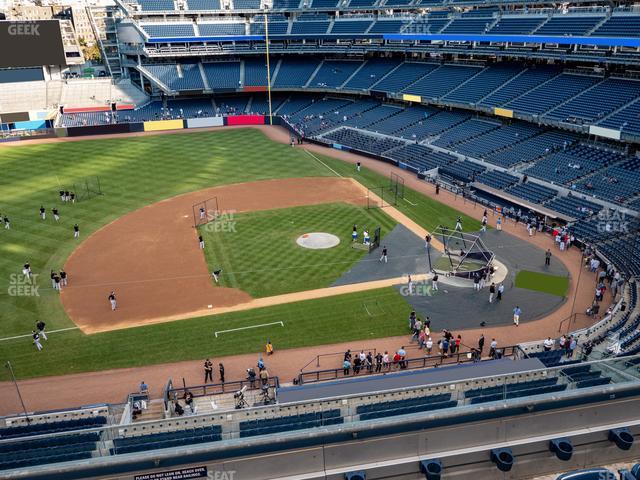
[333, 73]
[222, 74]
[553, 93]
[372, 72]
[442, 80]
[404, 75]
[294, 73]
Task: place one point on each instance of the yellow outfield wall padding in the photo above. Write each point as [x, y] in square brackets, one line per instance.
[163, 125]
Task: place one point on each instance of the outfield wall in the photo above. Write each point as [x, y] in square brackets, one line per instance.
[163, 125]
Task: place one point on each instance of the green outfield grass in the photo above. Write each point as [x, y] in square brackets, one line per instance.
[341, 318]
[542, 282]
[261, 257]
[135, 172]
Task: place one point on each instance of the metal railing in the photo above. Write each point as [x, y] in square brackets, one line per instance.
[432, 361]
[335, 354]
[218, 388]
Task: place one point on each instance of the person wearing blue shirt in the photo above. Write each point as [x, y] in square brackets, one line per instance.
[516, 315]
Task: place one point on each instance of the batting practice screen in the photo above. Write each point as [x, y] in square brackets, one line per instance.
[31, 44]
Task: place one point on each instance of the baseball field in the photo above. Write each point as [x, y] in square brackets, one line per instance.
[137, 172]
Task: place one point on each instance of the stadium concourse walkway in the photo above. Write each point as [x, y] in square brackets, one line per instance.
[112, 386]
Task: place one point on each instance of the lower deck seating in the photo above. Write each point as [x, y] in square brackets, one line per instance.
[515, 390]
[155, 441]
[266, 426]
[406, 406]
[533, 192]
[463, 170]
[63, 448]
[52, 427]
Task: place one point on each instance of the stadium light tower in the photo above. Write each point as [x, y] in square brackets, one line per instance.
[266, 40]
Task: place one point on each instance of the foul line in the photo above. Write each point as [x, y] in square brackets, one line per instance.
[46, 332]
[410, 203]
[246, 328]
[308, 152]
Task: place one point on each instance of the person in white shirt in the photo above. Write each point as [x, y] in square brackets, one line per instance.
[548, 344]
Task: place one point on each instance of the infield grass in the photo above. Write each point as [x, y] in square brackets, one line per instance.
[134, 172]
[261, 256]
[542, 282]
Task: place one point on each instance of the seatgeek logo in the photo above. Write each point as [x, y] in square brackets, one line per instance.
[24, 29]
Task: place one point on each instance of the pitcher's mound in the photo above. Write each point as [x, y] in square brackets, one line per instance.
[318, 240]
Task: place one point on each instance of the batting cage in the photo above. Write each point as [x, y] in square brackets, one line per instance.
[85, 188]
[205, 211]
[464, 253]
[381, 197]
[396, 184]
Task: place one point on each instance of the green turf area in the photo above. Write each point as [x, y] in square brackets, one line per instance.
[542, 282]
[135, 172]
[260, 254]
[341, 318]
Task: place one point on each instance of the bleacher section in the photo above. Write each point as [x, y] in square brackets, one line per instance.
[177, 438]
[294, 73]
[570, 164]
[363, 142]
[497, 179]
[334, 73]
[252, 428]
[442, 80]
[188, 78]
[532, 192]
[553, 93]
[403, 407]
[372, 72]
[226, 75]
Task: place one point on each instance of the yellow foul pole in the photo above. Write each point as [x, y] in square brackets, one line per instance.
[266, 40]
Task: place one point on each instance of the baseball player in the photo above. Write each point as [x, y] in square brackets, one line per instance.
[202, 212]
[40, 326]
[459, 224]
[354, 234]
[61, 192]
[43, 213]
[216, 275]
[67, 196]
[7, 223]
[26, 270]
[434, 282]
[384, 254]
[56, 283]
[499, 224]
[36, 340]
[53, 279]
[484, 224]
[112, 300]
[76, 231]
[201, 240]
[358, 166]
[63, 278]
[56, 215]
[365, 237]
[73, 197]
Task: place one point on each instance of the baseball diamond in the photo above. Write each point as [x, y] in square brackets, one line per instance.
[320, 240]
